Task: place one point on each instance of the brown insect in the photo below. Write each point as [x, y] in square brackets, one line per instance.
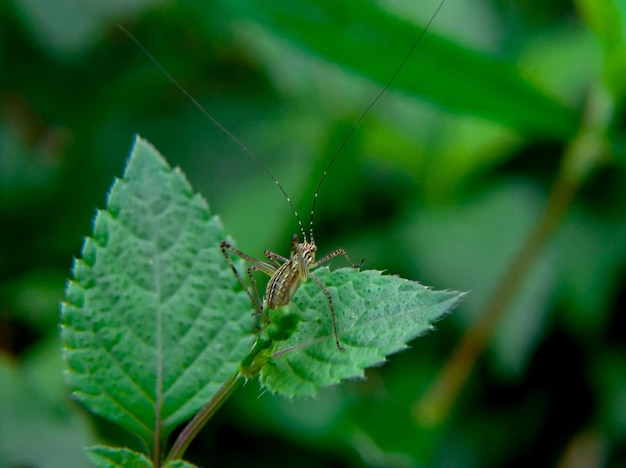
[286, 274]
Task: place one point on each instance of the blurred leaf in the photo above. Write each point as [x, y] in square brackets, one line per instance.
[563, 62]
[607, 19]
[588, 244]
[376, 316]
[152, 326]
[456, 77]
[42, 363]
[472, 147]
[469, 246]
[68, 28]
[610, 383]
[34, 297]
[27, 174]
[33, 426]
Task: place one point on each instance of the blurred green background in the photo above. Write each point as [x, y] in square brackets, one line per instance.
[443, 182]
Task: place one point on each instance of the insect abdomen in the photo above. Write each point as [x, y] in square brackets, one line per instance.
[282, 286]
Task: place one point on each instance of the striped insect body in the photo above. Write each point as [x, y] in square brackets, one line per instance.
[286, 275]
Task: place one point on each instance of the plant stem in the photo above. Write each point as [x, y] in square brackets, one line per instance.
[583, 154]
[202, 417]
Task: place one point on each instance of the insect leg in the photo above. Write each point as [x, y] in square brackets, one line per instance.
[256, 265]
[334, 254]
[332, 310]
[258, 303]
[259, 265]
[278, 259]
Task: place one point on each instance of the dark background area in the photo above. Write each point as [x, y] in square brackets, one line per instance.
[442, 183]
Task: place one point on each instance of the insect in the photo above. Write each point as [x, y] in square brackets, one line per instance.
[286, 274]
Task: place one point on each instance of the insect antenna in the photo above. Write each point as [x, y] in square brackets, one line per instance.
[366, 111]
[218, 124]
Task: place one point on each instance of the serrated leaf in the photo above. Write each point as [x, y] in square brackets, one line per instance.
[151, 325]
[377, 315]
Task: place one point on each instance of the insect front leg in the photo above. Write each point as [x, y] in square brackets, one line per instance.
[278, 259]
[336, 253]
[256, 265]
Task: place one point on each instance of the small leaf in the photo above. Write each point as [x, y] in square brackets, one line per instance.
[376, 316]
[178, 464]
[152, 325]
[110, 457]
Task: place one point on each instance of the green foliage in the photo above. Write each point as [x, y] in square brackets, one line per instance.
[152, 326]
[442, 182]
[377, 315]
[106, 457]
[512, 99]
[30, 411]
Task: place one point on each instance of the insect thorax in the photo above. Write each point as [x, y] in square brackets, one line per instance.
[284, 283]
[305, 252]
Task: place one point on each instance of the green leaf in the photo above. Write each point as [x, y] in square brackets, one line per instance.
[152, 325]
[110, 457]
[178, 464]
[376, 316]
[32, 412]
[461, 79]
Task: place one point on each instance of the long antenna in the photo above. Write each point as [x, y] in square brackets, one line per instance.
[217, 123]
[254, 157]
[367, 110]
